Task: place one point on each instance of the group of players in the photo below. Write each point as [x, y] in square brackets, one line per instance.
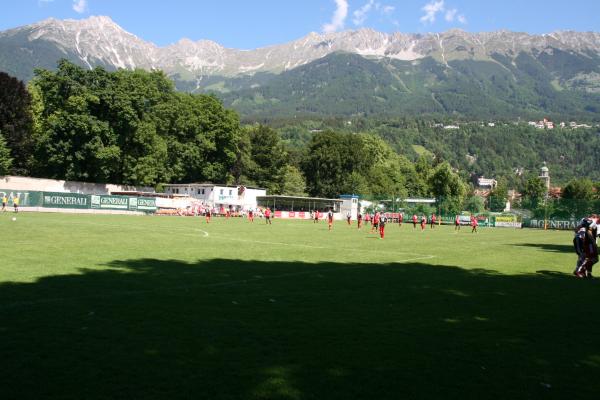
[15, 201]
[586, 234]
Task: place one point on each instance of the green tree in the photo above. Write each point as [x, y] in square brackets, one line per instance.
[292, 181]
[5, 158]
[498, 196]
[578, 189]
[474, 204]
[269, 157]
[534, 192]
[16, 122]
[576, 201]
[447, 187]
[323, 165]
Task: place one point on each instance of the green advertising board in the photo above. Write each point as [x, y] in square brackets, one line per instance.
[146, 204]
[110, 202]
[123, 203]
[27, 198]
[65, 200]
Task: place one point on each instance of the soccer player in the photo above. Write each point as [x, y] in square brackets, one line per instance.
[207, 214]
[382, 222]
[349, 218]
[376, 219]
[474, 224]
[433, 220]
[268, 216]
[330, 219]
[251, 215]
[588, 250]
[316, 220]
[16, 203]
[414, 218]
[4, 201]
[359, 219]
[423, 222]
[400, 219]
[457, 223]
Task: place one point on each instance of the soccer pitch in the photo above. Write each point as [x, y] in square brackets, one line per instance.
[123, 307]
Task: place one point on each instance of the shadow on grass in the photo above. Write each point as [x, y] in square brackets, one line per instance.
[232, 329]
[557, 248]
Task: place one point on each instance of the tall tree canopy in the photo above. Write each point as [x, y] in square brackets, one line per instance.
[129, 127]
[16, 121]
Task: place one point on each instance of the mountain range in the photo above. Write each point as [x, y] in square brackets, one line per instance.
[485, 75]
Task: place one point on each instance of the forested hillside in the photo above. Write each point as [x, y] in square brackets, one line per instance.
[351, 85]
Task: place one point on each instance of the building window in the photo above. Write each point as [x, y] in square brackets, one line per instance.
[202, 191]
[198, 191]
[221, 191]
[230, 192]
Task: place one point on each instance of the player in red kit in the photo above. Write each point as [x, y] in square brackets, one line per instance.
[457, 223]
[376, 219]
[382, 221]
[268, 216]
[474, 224]
[423, 222]
[251, 215]
[330, 219]
[400, 219]
[433, 220]
[359, 219]
[208, 215]
[414, 218]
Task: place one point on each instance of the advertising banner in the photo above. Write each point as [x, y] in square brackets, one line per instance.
[27, 198]
[113, 203]
[146, 204]
[507, 221]
[65, 200]
[552, 224]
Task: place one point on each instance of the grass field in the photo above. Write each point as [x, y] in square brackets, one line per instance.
[122, 307]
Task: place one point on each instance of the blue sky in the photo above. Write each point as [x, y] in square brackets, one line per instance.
[248, 24]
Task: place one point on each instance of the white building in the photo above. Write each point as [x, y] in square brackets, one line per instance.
[486, 182]
[349, 205]
[235, 197]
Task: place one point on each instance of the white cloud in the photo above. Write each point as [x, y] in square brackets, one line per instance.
[388, 9]
[339, 17]
[80, 6]
[435, 7]
[360, 15]
[431, 10]
[451, 14]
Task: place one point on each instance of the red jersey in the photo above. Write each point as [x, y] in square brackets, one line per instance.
[415, 218]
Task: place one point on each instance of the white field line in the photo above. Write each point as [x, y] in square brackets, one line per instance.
[16, 304]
